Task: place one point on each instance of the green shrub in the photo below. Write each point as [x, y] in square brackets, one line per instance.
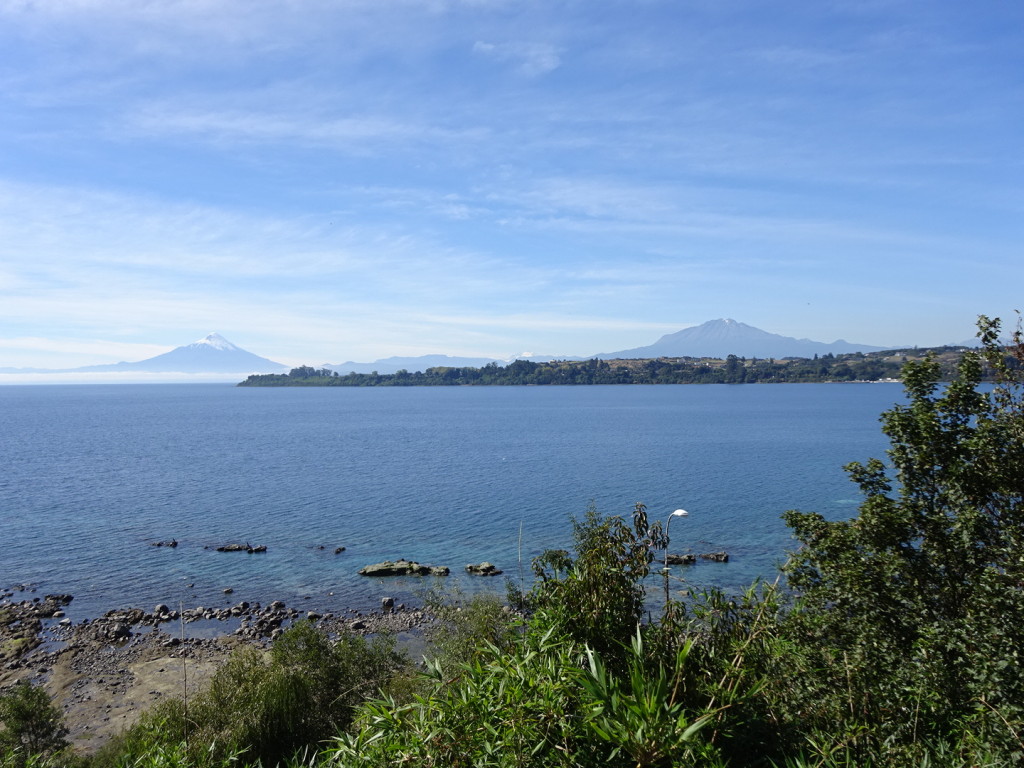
[266, 705]
[642, 714]
[597, 597]
[908, 626]
[33, 728]
[503, 708]
[462, 627]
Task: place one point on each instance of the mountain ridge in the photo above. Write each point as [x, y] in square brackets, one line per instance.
[725, 336]
[714, 338]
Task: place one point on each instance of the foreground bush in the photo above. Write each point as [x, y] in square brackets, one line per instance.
[908, 626]
[266, 705]
[549, 702]
[31, 728]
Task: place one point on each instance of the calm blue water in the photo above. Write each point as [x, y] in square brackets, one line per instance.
[90, 474]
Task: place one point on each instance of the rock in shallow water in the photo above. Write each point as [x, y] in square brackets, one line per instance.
[402, 567]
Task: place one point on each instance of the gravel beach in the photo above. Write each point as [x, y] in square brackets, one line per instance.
[104, 672]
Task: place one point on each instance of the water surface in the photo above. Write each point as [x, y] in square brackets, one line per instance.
[92, 474]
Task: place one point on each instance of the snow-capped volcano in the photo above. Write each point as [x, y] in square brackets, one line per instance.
[216, 341]
[211, 354]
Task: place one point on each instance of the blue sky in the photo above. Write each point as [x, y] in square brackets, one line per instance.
[322, 181]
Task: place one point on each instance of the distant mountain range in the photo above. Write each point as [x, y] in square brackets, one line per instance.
[715, 338]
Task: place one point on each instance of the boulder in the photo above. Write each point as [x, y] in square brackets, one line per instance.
[402, 567]
[717, 557]
[483, 569]
[688, 559]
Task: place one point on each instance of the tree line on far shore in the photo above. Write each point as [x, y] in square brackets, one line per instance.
[855, 366]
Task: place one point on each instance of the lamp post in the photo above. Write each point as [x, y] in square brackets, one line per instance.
[668, 522]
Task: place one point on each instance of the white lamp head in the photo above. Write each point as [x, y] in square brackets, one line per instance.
[680, 513]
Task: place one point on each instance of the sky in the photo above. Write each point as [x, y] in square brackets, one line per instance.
[330, 180]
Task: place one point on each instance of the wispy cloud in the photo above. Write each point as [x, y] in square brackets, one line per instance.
[532, 59]
[358, 135]
[325, 181]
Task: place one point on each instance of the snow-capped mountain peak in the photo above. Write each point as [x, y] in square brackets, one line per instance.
[212, 354]
[216, 341]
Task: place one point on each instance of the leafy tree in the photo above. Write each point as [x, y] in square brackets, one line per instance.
[32, 725]
[910, 615]
[598, 597]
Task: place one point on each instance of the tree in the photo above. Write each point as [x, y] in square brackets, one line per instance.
[597, 598]
[32, 725]
[910, 614]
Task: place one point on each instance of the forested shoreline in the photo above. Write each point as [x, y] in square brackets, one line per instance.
[856, 366]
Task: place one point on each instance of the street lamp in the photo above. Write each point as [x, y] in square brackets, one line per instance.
[677, 513]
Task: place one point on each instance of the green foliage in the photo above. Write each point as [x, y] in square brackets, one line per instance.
[178, 755]
[265, 706]
[33, 728]
[502, 709]
[597, 598]
[737, 666]
[574, 687]
[545, 702]
[908, 625]
[642, 713]
[464, 627]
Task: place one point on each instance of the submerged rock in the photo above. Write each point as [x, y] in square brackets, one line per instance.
[483, 569]
[718, 557]
[688, 559]
[247, 547]
[402, 567]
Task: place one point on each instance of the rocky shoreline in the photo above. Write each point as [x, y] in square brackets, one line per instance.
[104, 672]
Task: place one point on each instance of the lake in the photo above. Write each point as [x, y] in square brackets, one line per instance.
[448, 475]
